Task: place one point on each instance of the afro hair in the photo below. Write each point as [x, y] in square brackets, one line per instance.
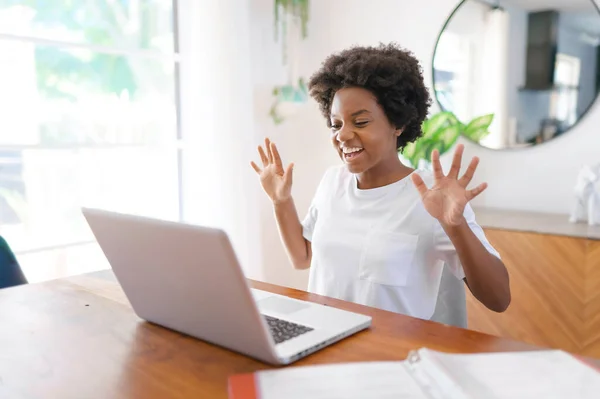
[390, 72]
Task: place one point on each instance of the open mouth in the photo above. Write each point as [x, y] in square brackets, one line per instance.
[351, 153]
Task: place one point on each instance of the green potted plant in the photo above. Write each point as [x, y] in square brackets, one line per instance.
[297, 11]
[441, 131]
[286, 99]
[291, 26]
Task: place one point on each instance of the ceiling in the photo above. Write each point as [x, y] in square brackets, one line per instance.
[579, 15]
[588, 22]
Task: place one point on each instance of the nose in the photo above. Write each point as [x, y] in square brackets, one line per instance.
[344, 134]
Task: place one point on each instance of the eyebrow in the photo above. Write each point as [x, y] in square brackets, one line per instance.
[360, 112]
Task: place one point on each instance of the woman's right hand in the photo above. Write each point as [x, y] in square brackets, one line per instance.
[276, 181]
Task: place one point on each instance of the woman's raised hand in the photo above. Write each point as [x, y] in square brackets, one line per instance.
[447, 199]
[276, 181]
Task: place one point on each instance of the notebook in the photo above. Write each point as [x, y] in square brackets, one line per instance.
[429, 374]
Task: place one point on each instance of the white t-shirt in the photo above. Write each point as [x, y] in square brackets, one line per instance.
[379, 247]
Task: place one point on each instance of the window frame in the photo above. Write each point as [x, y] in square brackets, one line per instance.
[174, 57]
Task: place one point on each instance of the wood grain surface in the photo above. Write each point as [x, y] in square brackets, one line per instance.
[591, 339]
[79, 338]
[555, 283]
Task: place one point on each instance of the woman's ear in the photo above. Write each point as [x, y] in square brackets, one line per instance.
[399, 131]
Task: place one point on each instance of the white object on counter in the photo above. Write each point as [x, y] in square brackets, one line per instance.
[587, 196]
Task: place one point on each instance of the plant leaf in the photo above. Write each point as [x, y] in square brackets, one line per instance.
[409, 150]
[453, 118]
[480, 123]
[433, 124]
[450, 136]
[423, 144]
[428, 149]
[414, 151]
[441, 131]
[477, 135]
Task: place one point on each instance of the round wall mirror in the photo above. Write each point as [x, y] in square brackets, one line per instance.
[532, 64]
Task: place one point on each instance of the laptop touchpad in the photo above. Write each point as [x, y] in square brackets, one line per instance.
[280, 305]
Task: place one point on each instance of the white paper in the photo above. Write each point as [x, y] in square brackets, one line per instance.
[520, 375]
[373, 380]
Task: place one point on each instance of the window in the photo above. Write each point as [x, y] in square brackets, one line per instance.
[88, 93]
[453, 73]
[566, 78]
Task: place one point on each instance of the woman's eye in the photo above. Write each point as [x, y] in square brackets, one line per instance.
[336, 126]
[361, 124]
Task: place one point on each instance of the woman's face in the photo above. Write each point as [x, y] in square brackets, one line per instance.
[361, 133]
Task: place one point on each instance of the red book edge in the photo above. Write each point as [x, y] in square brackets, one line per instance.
[587, 362]
[243, 386]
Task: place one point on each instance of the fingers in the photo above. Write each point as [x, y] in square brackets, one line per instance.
[269, 152]
[468, 176]
[476, 191]
[275, 154]
[455, 168]
[256, 168]
[419, 184]
[287, 176]
[269, 155]
[263, 156]
[437, 166]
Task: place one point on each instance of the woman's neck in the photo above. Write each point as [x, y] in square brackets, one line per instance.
[383, 174]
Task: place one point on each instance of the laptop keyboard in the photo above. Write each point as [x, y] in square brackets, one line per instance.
[282, 330]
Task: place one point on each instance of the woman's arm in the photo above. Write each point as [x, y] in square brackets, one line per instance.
[486, 275]
[277, 183]
[290, 230]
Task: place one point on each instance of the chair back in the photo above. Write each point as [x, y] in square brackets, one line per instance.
[451, 306]
[10, 271]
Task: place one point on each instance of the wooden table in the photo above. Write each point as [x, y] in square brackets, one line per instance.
[79, 338]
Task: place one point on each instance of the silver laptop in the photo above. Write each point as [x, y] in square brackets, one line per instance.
[187, 278]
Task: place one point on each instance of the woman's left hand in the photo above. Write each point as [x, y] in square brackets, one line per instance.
[447, 199]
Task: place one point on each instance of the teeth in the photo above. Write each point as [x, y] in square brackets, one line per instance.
[350, 150]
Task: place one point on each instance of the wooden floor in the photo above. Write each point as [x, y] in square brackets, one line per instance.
[555, 283]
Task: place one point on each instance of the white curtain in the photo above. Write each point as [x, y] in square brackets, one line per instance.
[220, 188]
[491, 91]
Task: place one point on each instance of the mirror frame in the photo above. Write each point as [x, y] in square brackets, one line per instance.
[437, 41]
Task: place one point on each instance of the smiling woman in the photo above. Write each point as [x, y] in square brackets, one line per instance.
[362, 134]
[371, 236]
[374, 100]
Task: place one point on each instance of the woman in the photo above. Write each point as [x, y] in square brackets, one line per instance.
[370, 236]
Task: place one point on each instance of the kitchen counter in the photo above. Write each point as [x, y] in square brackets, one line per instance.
[554, 269]
[534, 222]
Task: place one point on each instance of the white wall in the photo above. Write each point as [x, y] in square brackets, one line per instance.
[537, 179]
[302, 139]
